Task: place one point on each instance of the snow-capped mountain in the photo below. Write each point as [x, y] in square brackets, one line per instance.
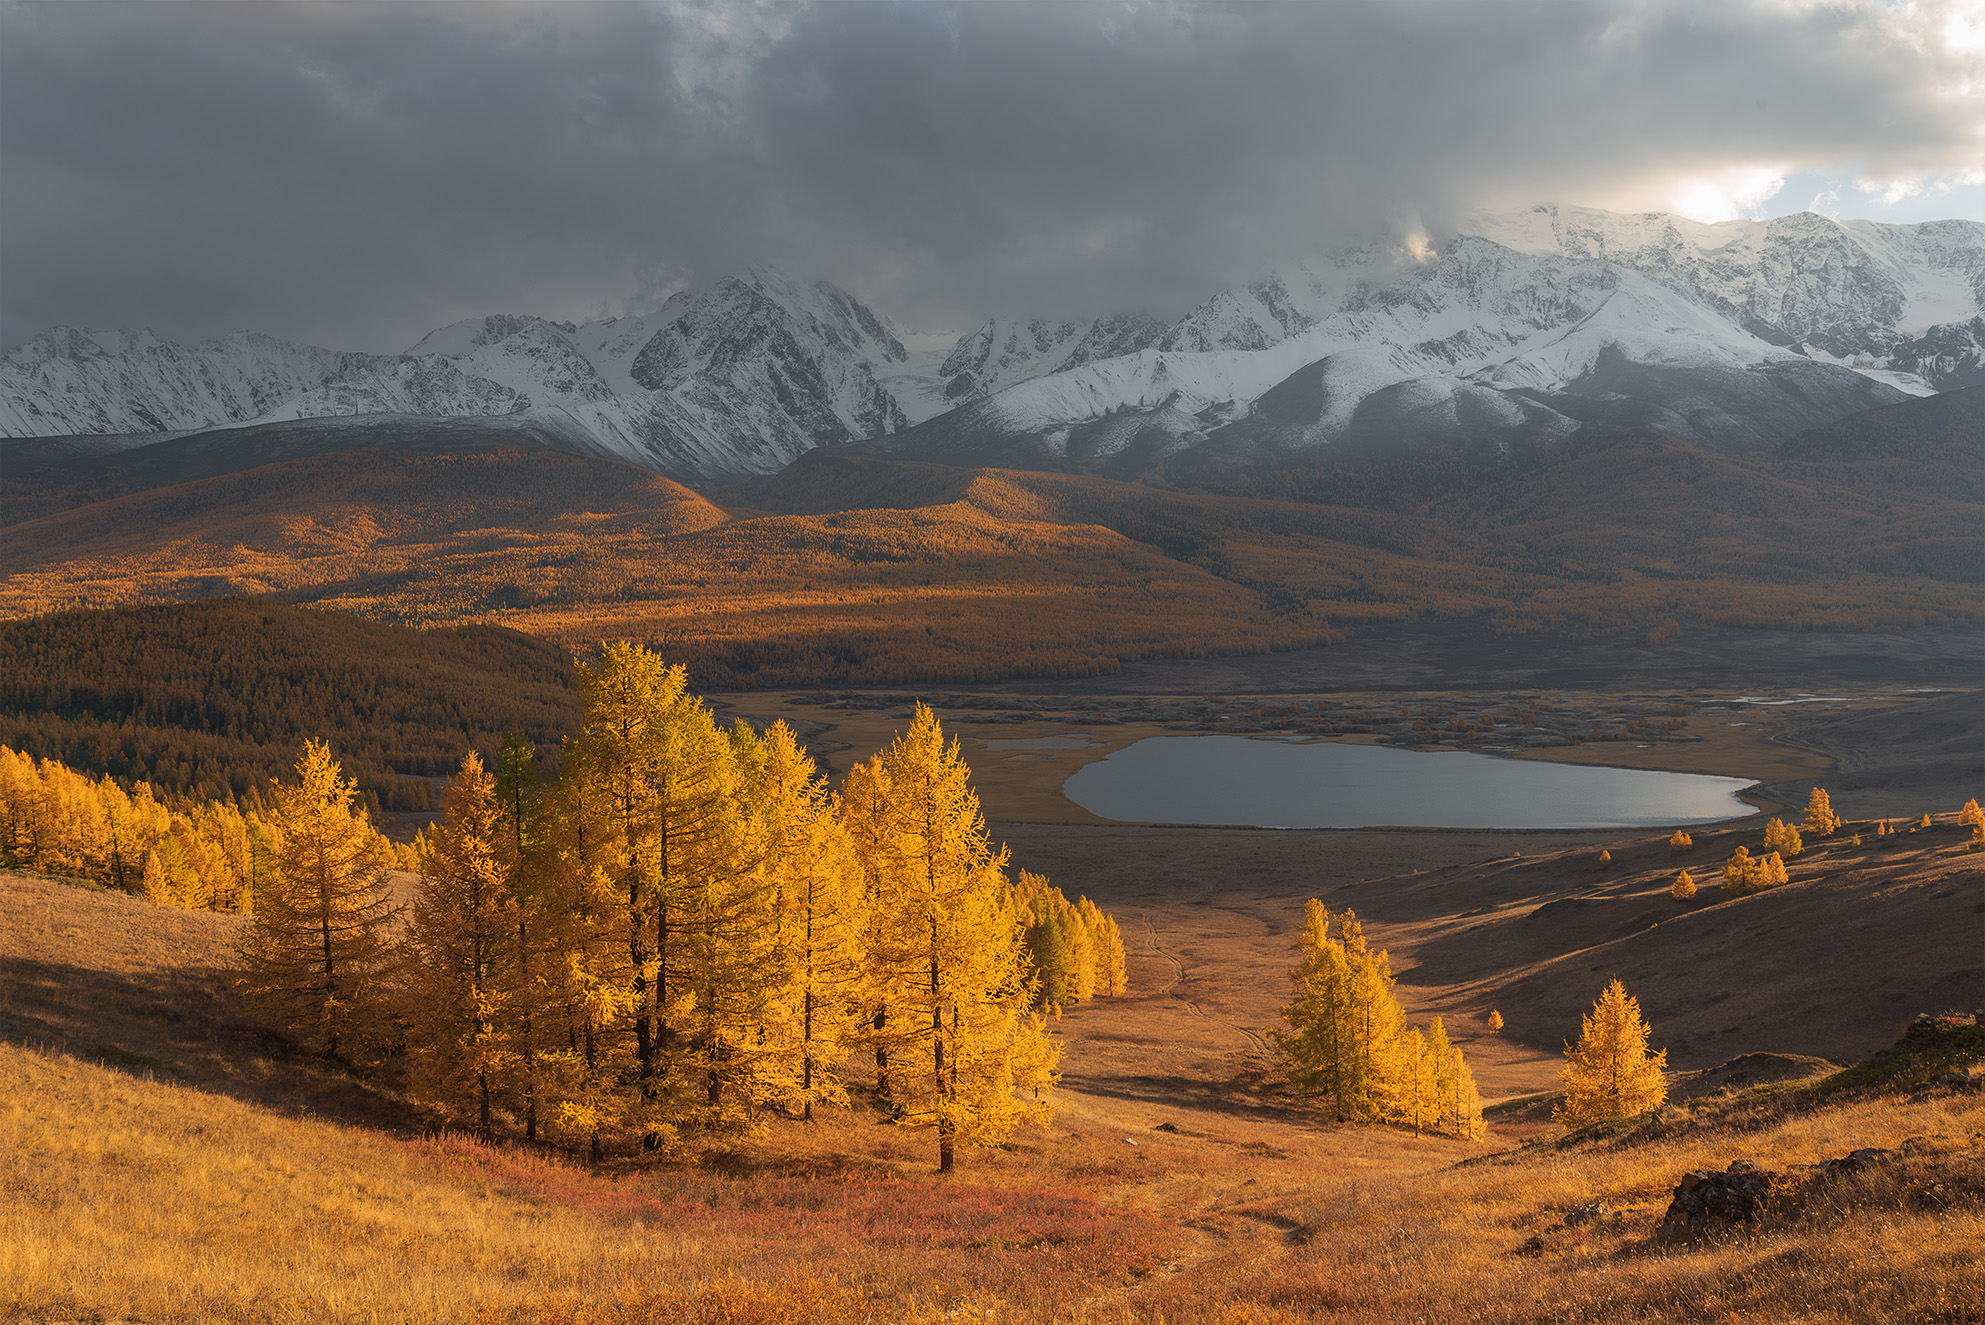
[1522, 327]
[738, 378]
[1517, 326]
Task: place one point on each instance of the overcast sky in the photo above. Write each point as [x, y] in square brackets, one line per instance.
[357, 174]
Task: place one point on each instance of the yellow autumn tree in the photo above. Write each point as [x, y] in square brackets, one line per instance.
[1045, 914]
[1820, 820]
[1346, 1039]
[1081, 950]
[1377, 1029]
[1742, 874]
[820, 918]
[1076, 948]
[1609, 1073]
[585, 1046]
[1316, 1047]
[316, 959]
[1415, 1090]
[539, 920]
[1683, 888]
[461, 979]
[977, 1060]
[1107, 938]
[1458, 1104]
[1783, 838]
[1971, 813]
[1680, 841]
[670, 837]
[887, 957]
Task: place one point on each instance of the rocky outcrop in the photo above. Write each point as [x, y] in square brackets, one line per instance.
[1735, 1200]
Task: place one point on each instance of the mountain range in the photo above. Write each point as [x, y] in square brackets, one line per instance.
[1514, 329]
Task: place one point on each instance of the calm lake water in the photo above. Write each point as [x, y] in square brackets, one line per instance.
[1282, 784]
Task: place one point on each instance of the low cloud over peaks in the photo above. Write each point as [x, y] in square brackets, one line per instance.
[357, 174]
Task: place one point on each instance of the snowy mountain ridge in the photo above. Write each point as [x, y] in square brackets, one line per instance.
[1519, 325]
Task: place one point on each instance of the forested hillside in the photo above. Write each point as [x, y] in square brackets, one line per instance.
[211, 699]
[854, 568]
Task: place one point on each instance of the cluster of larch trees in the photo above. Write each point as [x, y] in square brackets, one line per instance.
[1076, 948]
[681, 931]
[199, 854]
[1348, 1043]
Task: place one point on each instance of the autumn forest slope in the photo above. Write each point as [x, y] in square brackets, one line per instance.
[852, 567]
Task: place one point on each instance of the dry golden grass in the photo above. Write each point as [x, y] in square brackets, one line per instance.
[124, 1198]
[1446, 1246]
[134, 1198]
[158, 1163]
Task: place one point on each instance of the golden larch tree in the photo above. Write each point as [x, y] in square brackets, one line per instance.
[1107, 941]
[538, 910]
[1081, 951]
[461, 979]
[1113, 964]
[1316, 1047]
[590, 996]
[1377, 1026]
[1783, 838]
[316, 959]
[1459, 1103]
[1683, 888]
[668, 789]
[1742, 874]
[983, 1060]
[1044, 912]
[887, 957]
[1820, 820]
[1415, 1092]
[1495, 1022]
[821, 913]
[1680, 841]
[1609, 1073]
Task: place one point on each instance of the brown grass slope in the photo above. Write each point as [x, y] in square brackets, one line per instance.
[1833, 964]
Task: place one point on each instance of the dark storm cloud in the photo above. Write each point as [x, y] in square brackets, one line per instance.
[357, 174]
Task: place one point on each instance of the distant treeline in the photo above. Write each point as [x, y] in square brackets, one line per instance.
[211, 700]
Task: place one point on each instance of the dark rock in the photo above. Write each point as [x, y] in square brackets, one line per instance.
[1858, 1161]
[1707, 1202]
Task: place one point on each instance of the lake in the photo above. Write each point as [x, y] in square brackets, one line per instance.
[1285, 784]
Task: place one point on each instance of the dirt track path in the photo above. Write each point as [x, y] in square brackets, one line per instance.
[1257, 1043]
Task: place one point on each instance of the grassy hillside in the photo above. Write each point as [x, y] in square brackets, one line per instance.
[214, 698]
[161, 1161]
